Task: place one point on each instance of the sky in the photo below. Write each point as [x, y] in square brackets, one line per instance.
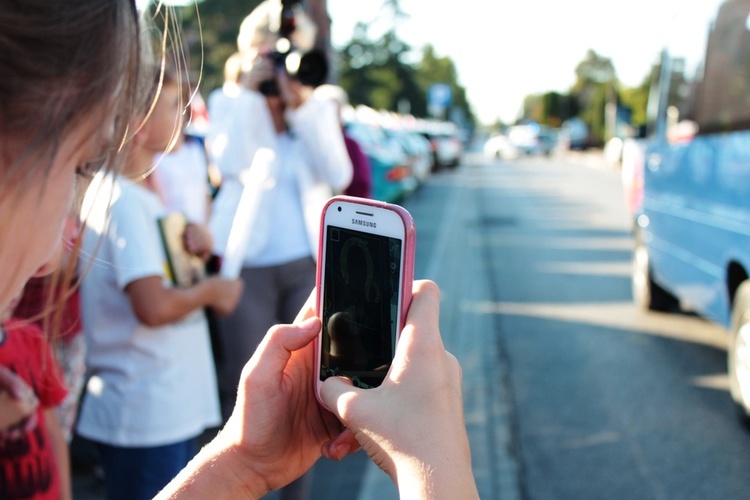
[505, 50]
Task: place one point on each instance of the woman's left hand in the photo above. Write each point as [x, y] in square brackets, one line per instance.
[277, 416]
[277, 430]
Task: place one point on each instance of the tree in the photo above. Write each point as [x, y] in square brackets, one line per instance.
[435, 69]
[595, 86]
[209, 33]
[636, 98]
[376, 74]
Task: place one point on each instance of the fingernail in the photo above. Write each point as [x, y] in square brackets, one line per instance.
[307, 323]
[342, 450]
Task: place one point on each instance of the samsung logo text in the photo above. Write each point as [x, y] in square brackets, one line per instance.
[365, 223]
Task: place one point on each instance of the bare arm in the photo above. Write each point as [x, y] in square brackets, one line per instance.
[156, 305]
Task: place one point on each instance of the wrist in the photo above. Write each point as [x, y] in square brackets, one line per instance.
[218, 472]
[236, 469]
[442, 474]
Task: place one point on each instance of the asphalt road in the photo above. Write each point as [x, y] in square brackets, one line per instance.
[570, 392]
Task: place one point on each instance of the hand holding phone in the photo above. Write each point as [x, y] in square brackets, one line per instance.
[415, 423]
[364, 285]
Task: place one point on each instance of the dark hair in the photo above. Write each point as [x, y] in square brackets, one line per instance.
[61, 61]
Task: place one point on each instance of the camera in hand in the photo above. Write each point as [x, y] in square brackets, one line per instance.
[269, 88]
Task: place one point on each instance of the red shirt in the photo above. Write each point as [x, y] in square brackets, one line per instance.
[28, 468]
[40, 302]
[361, 184]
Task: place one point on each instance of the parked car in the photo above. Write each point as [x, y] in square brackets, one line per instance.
[417, 149]
[574, 134]
[391, 175]
[499, 146]
[446, 143]
[692, 228]
[632, 165]
[531, 139]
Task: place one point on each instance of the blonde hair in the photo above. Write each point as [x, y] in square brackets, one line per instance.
[233, 68]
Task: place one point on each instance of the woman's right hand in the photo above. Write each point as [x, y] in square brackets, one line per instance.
[412, 426]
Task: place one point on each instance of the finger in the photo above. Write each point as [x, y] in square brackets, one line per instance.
[337, 393]
[308, 310]
[280, 342]
[341, 446]
[423, 317]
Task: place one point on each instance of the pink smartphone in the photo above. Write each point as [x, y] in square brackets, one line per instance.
[364, 281]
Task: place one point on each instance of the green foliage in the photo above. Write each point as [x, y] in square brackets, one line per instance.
[373, 72]
[636, 98]
[551, 108]
[210, 33]
[376, 73]
[596, 85]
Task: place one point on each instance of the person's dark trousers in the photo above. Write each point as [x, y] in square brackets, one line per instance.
[139, 473]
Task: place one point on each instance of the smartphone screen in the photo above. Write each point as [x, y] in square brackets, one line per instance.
[360, 306]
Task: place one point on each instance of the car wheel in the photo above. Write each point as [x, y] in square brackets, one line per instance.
[647, 294]
[738, 354]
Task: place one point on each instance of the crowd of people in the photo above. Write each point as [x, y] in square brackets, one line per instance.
[109, 301]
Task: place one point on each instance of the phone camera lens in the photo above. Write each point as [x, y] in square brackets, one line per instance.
[339, 209]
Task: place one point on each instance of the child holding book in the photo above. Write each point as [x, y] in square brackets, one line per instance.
[152, 388]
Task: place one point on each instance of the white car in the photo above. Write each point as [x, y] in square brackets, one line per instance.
[499, 146]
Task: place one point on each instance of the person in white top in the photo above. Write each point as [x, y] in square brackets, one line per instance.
[152, 385]
[309, 163]
[183, 180]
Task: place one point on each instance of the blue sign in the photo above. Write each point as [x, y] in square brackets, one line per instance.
[439, 95]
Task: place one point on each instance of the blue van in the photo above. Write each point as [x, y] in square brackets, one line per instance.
[693, 227]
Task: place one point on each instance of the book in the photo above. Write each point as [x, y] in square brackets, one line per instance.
[183, 268]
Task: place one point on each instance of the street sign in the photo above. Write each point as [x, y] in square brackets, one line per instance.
[439, 95]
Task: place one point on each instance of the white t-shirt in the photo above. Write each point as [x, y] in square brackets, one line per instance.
[182, 176]
[147, 386]
[311, 163]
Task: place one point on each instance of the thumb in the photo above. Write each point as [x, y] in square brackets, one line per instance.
[273, 354]
[338, 394]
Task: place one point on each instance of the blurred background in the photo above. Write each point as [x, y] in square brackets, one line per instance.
[589, 232]
[482, 66]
